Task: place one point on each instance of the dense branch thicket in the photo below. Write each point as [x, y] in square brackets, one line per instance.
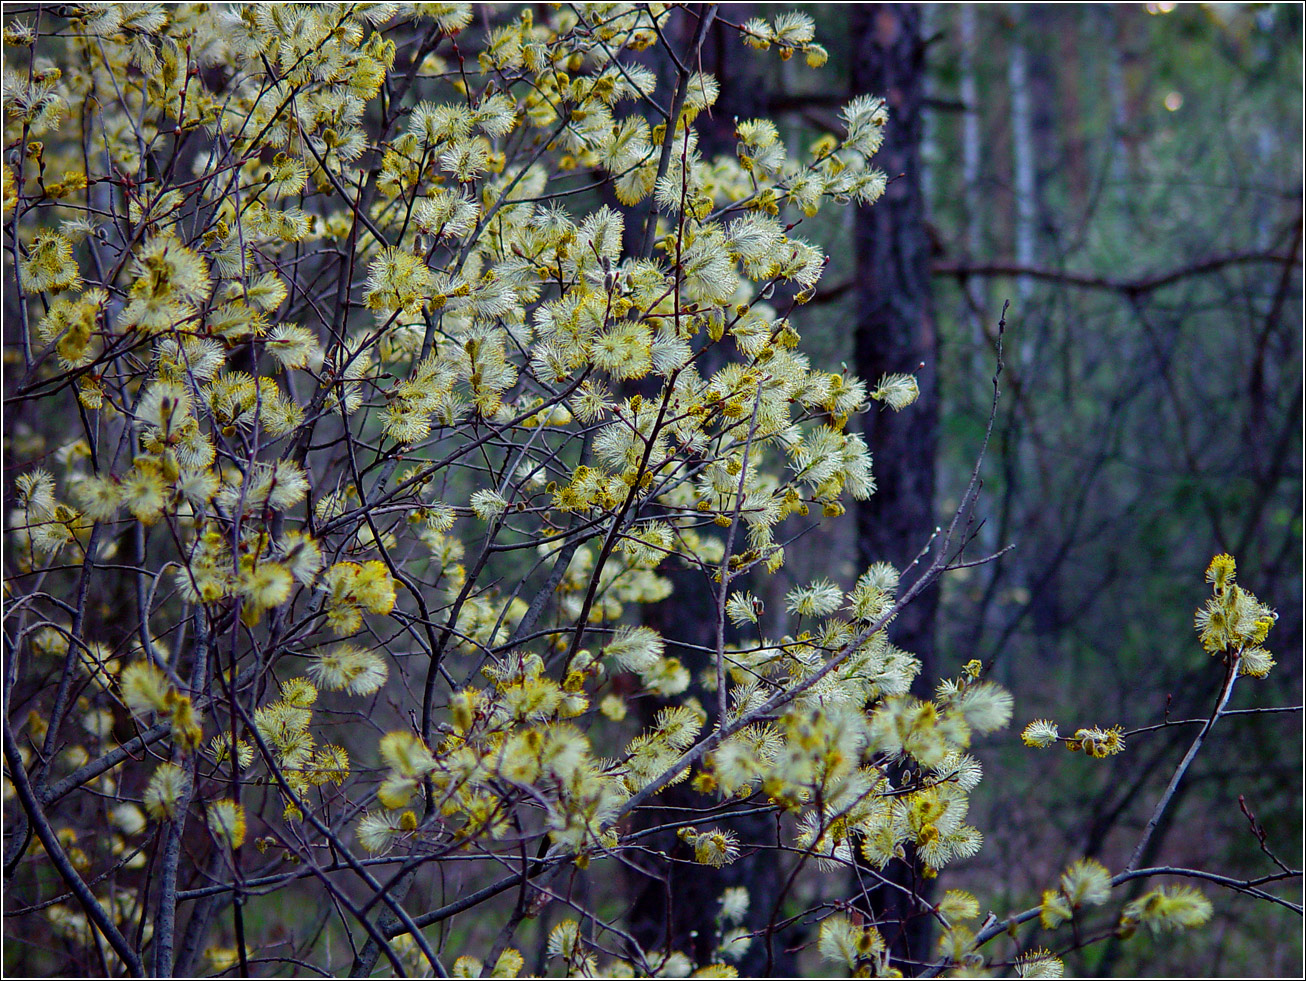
[367, 370]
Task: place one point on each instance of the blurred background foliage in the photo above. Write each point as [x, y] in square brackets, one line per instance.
[1130, 178]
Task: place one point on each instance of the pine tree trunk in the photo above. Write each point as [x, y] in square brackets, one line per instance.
[676, 903]
[896, 332]
[1022, 165]
[974, 289]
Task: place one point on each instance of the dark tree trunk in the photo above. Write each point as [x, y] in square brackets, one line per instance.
[895, 329]
[677, 901]
[895, 332]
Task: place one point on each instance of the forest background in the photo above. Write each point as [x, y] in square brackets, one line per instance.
[1129, 176]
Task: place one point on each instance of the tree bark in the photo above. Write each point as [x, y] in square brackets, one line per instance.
[895, 331]
[676, 902]
[971, 149]
[1022, 165]
[1116, 92]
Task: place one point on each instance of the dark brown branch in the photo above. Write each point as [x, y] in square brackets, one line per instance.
[59, 859]
[1129, 287]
